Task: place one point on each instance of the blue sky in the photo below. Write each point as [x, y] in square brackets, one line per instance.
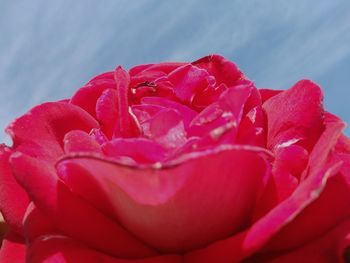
[48, 49]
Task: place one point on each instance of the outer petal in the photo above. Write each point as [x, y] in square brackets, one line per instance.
[329, 210]
[13, 249]
[54, 249]
[13, 199]
[159, 205]
[37, 224]
[328, 248]
[299, 116]
[326, 143]
[247, 243]
[40, 132]
[71, 214]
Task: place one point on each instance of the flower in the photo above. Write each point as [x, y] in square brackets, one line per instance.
[177, 162]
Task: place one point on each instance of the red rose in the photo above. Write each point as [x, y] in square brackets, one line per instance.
[177, 162]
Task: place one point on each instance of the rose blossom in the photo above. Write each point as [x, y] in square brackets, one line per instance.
[177, 162]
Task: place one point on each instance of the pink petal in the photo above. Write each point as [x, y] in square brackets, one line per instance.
[228, 110]
[150, 72]
[208, 119]
[37, 224]
[87, 190]
[98, 136]
[343, 144]
[13, 249]
[289, 163]
[107, 110]
[222, 69]
[208, 96]
[13, 199]
[326, 142]
[87, 96]
[127, 125]
[160, 205]
[40, 132]
[251, 129]
[329, 210]
[67, 211]
[54, 249]
[234, 99]
[144, 112]
[189, 80]
[246, 243]
[186, 113]
[329, 247]
[299, 115]
[268, 93]
[140, 150]
[166, 128]
[80, 141]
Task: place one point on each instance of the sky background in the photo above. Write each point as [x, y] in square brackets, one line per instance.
[48, 49]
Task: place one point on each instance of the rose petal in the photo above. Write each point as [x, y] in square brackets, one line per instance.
[80, 141]
[329, 210]
[324, 249]
[68, 211]
[208, 96]
[159, 206]
[13, 249]
[138, 149]
[343, 144]
[98, 136]
[325, 144]
[252, 128]
[107, 110]
[87, 96]
[37, 224]
[234, 99]
[166, 128]
[299, 115]
[150, 72]
[189, 80]
[268, 93]
[92, 194]
[246, 243]
[186, 113]
[144, 112]
[222, 69]
[50, 249]
[126, 125]
[40, 132]
[13, 199]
